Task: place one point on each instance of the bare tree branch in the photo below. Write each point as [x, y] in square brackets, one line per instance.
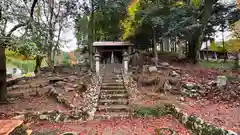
[4, 26]
[32, 8]
[14, 29]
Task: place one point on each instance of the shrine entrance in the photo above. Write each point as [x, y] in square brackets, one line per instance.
[112, 52]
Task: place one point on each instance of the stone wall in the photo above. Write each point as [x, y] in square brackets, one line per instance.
[131, 86]
[91, 96]
[196, 124]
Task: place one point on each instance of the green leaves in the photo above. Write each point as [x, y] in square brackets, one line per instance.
[196, 3]
[131, 22]
[25, 48]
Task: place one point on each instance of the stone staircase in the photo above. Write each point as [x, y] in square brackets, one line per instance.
[113, 98]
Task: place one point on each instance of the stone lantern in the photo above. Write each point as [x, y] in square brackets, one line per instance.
[125, 62]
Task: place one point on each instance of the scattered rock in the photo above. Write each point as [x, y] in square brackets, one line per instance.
[191, 86]
[152, 69]
[212, 83]
[221, 81]
[72, 78]
[68, 89]
[165, 64]
[75, 86]
[229, 132]
[174, 74]
[43, 117]
[167, 86]
[182, 99]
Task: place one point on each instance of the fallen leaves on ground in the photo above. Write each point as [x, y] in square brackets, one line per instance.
[138, 126]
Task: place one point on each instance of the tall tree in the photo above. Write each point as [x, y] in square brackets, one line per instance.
[81, 29]
[10, 10]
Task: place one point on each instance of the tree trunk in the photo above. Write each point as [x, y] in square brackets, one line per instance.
[192, 54]
[155, 47]
[38, 64]
[223, 43]
[161, 46]
[236, 65]
[207, 50]
[175, 45]
[166, 45]
[197, 38]
[50, 61]
[3, 77]
[91, 35]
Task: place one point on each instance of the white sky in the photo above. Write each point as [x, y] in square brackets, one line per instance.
[70, 37]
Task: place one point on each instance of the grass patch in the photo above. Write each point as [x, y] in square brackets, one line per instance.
[233, 78]
[217, 64]
[151, 111]
[26, 65]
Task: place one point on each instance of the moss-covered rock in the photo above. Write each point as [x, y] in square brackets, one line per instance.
[197, 125]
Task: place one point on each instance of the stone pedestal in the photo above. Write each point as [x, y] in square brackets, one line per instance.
[125, 62]
[97, 59]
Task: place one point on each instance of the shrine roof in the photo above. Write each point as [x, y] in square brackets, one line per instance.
[111, 43]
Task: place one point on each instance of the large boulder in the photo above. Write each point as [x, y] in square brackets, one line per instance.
[152, 69]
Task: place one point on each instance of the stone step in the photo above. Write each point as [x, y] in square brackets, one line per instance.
[112, 84]
[112, 87]
[111, 77]
[113, 108]
[117, 91]
[112, 115]
[123, 101]
[113, 96]
[112, 81]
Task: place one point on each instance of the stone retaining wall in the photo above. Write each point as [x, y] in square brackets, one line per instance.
[196, 124]
[91, 96]
[131, 86]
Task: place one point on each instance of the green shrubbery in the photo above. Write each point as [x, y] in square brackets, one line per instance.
[26, 65]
